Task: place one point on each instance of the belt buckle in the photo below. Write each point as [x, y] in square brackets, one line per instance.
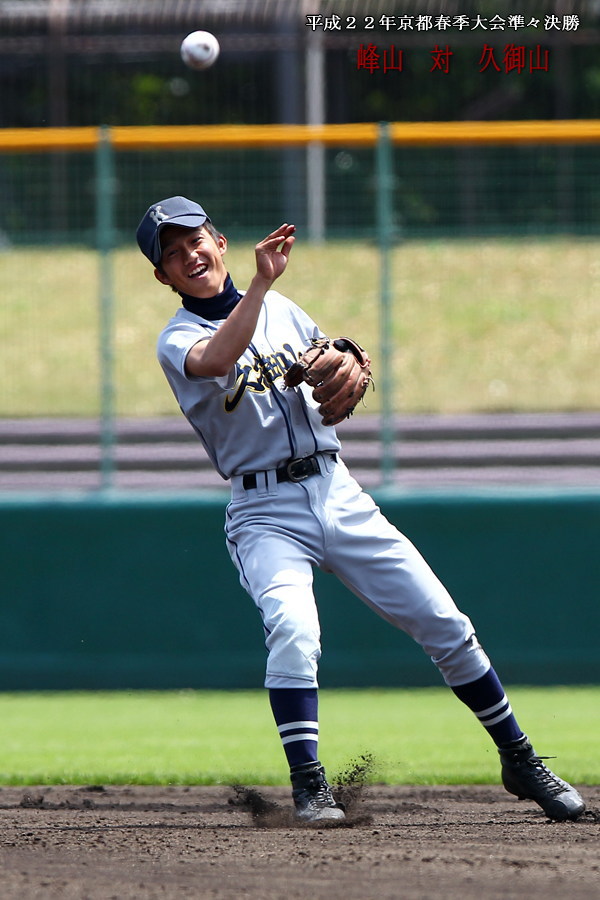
[309, 467]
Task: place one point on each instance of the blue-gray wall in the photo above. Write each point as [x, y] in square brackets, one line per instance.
[139, 592]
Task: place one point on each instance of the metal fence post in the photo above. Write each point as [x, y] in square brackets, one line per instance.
[385, 225]
[315, 151]
[105, 181]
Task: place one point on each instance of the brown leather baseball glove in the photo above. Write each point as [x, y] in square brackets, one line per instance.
[339, 371]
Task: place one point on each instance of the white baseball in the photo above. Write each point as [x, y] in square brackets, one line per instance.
[200, 49]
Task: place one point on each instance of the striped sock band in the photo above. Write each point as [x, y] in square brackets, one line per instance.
[487, 699]
[300, 741]
[299, 731]
[296, 714]
[495, 714]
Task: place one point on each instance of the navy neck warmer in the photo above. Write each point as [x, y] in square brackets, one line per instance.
[214, 308]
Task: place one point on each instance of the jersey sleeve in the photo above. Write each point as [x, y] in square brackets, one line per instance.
[174, 344]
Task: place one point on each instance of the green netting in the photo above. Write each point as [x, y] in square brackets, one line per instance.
[441, 192]
[532, 345]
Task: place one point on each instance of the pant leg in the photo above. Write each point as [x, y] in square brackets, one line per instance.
[276, 569]
[382, 566]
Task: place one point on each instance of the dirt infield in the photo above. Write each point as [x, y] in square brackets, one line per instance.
[100, 843]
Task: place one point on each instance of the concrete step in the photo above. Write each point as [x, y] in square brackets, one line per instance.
[407, 453]
[428, 450]
[472, 426]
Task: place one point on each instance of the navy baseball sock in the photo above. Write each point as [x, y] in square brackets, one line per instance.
[486, 698]
[296, 714]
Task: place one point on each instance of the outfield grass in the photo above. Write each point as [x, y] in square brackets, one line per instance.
[477, 325]
[418, 736]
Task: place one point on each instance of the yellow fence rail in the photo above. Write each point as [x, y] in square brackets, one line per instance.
[131, 137]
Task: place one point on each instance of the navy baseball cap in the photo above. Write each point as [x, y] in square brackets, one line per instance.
[172, 211]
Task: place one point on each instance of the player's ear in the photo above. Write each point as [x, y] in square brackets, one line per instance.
[222, 244]
[160, 276]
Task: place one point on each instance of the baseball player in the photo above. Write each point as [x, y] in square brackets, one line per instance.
[227, 355]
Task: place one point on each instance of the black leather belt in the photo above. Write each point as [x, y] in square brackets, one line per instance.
[294, 470]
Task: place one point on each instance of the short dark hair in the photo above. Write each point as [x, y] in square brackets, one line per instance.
[214, 232]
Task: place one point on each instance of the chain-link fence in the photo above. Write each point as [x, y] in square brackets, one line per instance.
[482, 249]
[438, 192]
[61, 206]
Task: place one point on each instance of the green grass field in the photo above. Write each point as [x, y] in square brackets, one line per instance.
[477, 325]
[417, 736]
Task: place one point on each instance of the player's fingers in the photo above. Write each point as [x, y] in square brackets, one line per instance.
[287, 246]
[280, 234]
[285, 229]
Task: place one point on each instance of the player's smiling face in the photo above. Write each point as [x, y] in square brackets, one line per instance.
[192, 261]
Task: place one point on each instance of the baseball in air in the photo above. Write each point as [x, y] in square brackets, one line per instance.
[200, 49]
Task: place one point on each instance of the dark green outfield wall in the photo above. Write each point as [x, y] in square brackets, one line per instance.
[131, 592]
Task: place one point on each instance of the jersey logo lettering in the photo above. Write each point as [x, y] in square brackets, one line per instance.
[259, 376]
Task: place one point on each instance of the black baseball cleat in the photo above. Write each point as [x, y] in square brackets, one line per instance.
[525, 775]
[312, 795]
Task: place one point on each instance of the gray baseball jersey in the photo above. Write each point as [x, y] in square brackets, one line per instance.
[247, 420]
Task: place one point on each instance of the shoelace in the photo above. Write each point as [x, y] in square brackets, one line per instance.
[322, 796]
[549, 778]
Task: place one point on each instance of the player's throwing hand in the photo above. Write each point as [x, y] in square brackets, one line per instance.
[272, 253]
